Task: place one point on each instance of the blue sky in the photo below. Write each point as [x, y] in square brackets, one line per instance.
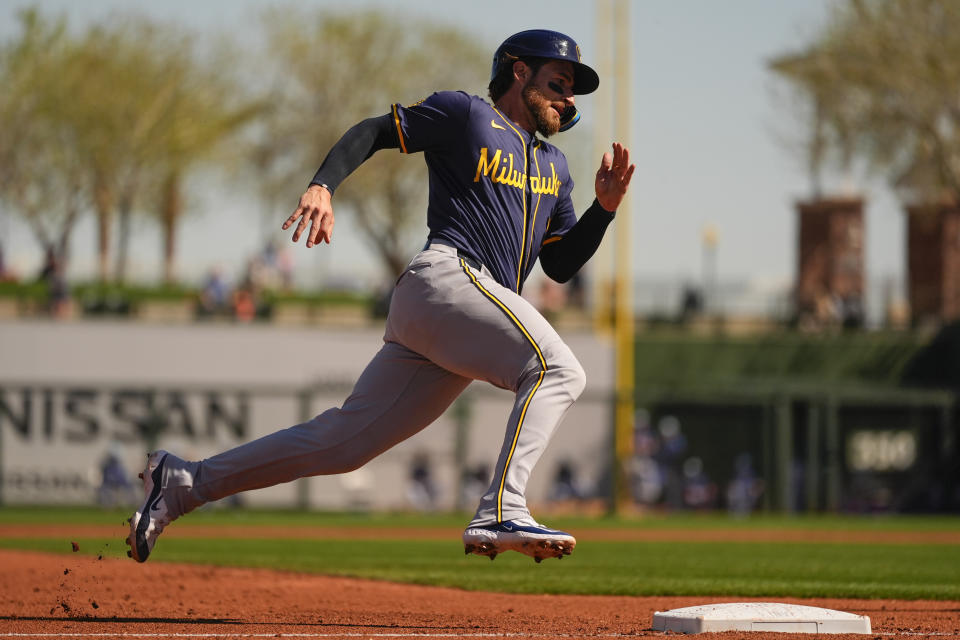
[708, 138]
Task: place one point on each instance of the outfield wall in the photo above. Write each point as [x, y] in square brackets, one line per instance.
[72, 393]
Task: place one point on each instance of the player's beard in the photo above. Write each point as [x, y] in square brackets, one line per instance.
[548, 122]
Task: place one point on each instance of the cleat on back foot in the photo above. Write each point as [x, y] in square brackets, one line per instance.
[149, 520]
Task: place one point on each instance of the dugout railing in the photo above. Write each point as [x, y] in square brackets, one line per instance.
[823, 448]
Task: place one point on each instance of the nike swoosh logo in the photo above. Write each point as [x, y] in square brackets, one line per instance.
[508, 528]
[496, 126]
[154, 506]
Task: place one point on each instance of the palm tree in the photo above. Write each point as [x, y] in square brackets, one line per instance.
[332, 70]
[206, 111]
[41, 166]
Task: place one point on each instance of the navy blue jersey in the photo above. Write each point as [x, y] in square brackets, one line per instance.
[496, 191]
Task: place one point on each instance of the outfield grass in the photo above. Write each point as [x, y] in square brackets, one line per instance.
[909, 571]
[652, 521]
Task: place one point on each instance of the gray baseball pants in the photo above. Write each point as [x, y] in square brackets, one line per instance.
[448, 324]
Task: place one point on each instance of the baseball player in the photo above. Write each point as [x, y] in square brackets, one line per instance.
[500, 198]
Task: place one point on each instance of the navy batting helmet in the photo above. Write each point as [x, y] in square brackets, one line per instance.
[543, 43]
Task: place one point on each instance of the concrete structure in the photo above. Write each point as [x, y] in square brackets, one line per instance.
[830, 261]
[72, 394]
[933, 263]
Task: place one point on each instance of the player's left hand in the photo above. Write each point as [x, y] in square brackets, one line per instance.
[613, 177]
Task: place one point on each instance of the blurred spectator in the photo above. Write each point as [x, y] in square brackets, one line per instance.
[257, 274]
[699, 492]
[823, 313]
[259, 277]
[673, 444]
[566, 486]
[54, 276]
[673, 447]
[691, 303]
[866, 492]
[115, 488]
[284, 264]
[245, 302]
[645, 441]
[422, 490]
[850, 311]
[271, 269]
[260, 271]
[215, 295]
[745, 488]
[646, 481]
[475, 482]
[269, 255]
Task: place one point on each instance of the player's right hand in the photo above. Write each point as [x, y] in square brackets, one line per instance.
[314, 207]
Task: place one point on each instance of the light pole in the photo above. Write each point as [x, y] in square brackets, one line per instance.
[710, 238]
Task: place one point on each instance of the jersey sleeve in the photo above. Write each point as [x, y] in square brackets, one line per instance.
[563, 218]
[431, 123]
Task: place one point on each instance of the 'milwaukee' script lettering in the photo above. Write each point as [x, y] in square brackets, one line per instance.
[86, 415]
[501, 171]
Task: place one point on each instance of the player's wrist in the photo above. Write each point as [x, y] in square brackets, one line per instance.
[320, 186]
[600, 205]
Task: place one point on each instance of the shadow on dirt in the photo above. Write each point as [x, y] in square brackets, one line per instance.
[126, 620]
[230, 621]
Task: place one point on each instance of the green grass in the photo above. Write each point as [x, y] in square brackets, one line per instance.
[397, 521]
[613, 568]
[861, 570]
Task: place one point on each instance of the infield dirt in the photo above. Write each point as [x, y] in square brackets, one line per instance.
[78, 596]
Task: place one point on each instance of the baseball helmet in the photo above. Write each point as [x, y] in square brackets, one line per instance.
[543, 43]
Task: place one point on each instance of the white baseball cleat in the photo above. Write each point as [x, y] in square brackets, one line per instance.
[148, 521]
[526, 537]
